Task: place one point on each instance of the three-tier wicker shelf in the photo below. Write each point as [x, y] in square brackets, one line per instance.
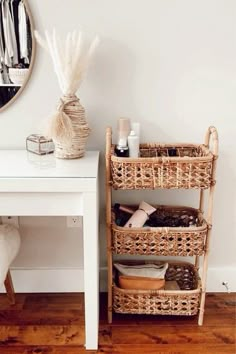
[192, 167]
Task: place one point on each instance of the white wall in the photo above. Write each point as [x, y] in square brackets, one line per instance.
[170, 65]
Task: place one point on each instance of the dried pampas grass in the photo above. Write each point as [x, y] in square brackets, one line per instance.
[60, 127]
[71, 60]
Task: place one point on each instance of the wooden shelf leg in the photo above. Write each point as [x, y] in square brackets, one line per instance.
[203, 293]
[211, 132]
[110, 288]
[201, 200]
[205, 260]
[201, 311]
[9, 288]
[197, 263]
[201, 208]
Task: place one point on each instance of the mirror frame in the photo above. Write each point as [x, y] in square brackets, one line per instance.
[33, 54]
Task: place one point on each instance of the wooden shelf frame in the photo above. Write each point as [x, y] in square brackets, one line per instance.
[211, 138]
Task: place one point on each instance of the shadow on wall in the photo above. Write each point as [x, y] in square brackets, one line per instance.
[112, 97]
[113, 92]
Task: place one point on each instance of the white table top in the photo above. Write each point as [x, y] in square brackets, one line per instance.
[23, 164]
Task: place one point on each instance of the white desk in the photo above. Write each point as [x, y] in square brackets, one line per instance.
[42, 185]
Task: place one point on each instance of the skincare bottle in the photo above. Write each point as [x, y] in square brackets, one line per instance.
[133, 144]
[123, 131]
[135, 126]
[122, 151]
[121, 148]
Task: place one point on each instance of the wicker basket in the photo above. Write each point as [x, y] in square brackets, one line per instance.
[163, 302]
[165, 241]
[190, 168]
[18, 76]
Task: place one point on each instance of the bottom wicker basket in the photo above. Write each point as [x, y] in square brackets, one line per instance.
[163, 302]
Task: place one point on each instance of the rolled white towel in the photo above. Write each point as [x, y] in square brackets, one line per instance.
[9, 247]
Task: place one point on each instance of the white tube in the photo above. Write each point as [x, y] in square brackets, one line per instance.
[135, 126]
[140, 216]
[133, 144]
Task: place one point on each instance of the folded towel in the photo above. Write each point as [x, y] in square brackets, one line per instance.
[143, 270]
[9, 247]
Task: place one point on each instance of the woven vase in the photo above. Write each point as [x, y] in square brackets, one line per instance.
[72, 107]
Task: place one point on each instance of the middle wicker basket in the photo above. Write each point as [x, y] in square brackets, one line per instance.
[164, 241]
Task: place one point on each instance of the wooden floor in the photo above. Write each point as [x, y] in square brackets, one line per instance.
[54, 324]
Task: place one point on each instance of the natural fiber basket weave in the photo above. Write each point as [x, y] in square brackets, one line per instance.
[191, 168]
[165, 241]
[72, 107]
[163, 302]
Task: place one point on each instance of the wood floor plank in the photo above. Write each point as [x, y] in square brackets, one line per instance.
[4, 303]
[176, 349]
[218, 302]
[123, 349]
[56, 301]
[54, 324]
[211, 320]
[49, 335]
[172, 335]
[60, 317]
[52, 350]
[42, 335]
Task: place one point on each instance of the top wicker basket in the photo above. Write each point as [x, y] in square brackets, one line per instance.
[190, 168]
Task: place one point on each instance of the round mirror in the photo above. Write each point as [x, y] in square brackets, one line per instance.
[17, 47]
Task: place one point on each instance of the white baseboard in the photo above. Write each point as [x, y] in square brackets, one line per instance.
[47, 280]
[72, 280]
[216, 276]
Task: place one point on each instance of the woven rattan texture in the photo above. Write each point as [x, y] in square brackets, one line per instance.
[151, 304]
[184, 302]
[163, 172]
[76, 148]
[164, 243]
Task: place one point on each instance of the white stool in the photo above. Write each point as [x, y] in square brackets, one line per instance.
[9, 247]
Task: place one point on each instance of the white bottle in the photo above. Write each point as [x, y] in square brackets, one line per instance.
[133, 143]
[135, 126]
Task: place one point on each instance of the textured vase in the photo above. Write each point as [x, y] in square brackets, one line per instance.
[70, 105]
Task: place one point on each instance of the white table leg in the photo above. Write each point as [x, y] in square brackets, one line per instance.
[91, 269]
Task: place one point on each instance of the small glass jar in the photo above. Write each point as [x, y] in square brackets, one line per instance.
[39, 145]
[122, 151]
